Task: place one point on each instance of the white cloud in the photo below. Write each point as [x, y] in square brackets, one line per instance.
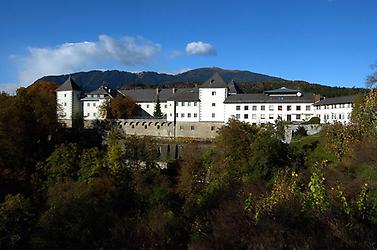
[200, 48]
[71, 57]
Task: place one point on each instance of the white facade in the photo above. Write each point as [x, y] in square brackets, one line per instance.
[259, 113]
[187, 111]
[149, 107]
[69, 104]
[212, 107]
[331, 113]
[92, 107]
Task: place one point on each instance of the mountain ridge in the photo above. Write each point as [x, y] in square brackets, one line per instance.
[91, 80]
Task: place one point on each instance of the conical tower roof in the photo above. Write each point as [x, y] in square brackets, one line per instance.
[216, 81]
[69, 85]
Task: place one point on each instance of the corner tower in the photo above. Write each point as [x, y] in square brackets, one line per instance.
[69, 106]
[212, 95]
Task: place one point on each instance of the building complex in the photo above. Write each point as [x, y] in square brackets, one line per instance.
[213, 101]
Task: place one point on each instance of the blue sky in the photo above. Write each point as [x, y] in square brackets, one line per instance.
[331, 42]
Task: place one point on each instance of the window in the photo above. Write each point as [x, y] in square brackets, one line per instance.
[213, 115]
[65, 104]
[280, 108]
[254, 116]
[88, 104]
[189, 104]
[195, 103]
[289, 108]
[183, 104]
[94, 104]
[254, 107]
[88, 114]
[189, 115]
[181, 128]
[213, 104]
[298, 117]
[246, 107]
[171, 114]
[238, 107]
[213, 92]
[271, 116]
[238, 116]
[182, 115]
[195, 115]
[145, 126]
[65, 95]
[262, 107]
[271, 107]
[94, 114]
[147, 105]
[166, 106]
[192, 128]
[212, 128]
[246, 116]
[307, 108]
[176, 115]
[298, 107]
[263, 116]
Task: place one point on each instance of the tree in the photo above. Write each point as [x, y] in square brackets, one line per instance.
[364, 114]
[157, 109]
[120, 107]
[16, 219]
[372, 79]
[63, 163]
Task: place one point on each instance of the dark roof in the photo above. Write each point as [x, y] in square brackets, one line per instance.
[187, 94]
[337, 100]
[233, 88]
[104, 90]
[147, 95]
[214, 82]
[263, 98]
[282, 90]
[68, 85]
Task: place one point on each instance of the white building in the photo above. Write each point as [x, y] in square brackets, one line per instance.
[213, 101]
[147, 99]
[68, 97]
[336, 109]
[93, 102]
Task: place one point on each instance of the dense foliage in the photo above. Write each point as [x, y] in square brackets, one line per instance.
[120, 107]
[65, 189]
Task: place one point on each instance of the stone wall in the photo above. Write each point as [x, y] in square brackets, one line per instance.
[193, 130]
[311, 129]
[164, 129]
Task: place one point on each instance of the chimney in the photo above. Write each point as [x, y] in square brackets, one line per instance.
[174, 90]
[157, 91]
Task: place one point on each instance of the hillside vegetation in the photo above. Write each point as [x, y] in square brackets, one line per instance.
[65, 189]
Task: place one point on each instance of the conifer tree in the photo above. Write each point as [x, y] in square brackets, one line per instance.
[157, 109]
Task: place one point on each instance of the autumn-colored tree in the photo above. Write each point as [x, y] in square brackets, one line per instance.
[341, 138]
[120, 107]
[364, 114]
[43, 85]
